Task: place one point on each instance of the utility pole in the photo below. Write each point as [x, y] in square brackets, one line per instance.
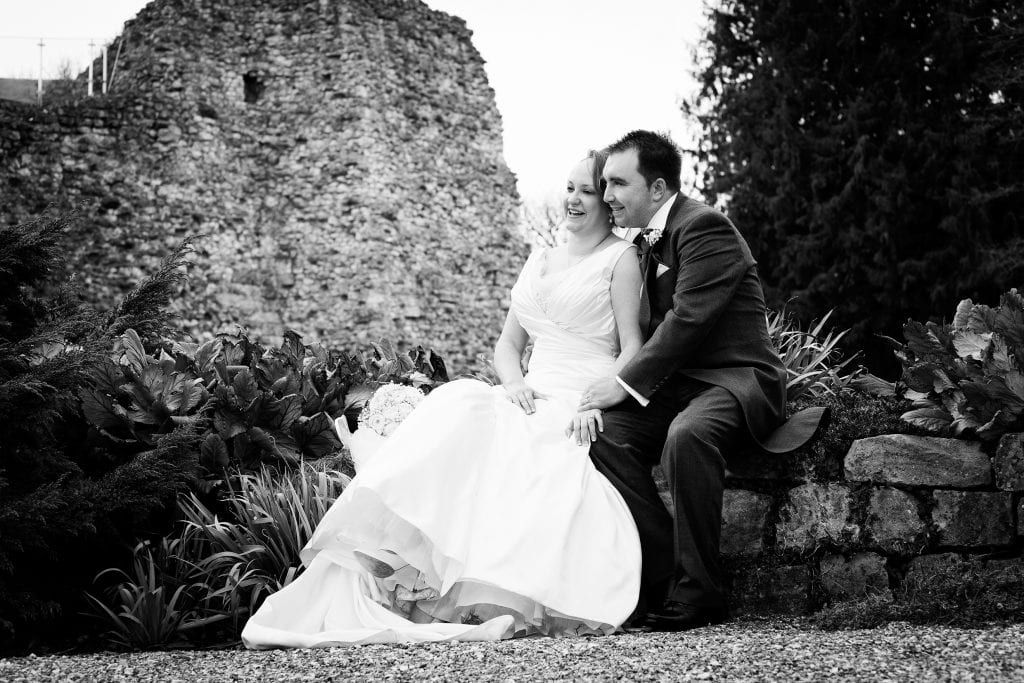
[92, 56]
[39, 85]
[104, 69]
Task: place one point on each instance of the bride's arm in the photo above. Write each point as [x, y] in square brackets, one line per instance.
[625, 293]
[508, 363]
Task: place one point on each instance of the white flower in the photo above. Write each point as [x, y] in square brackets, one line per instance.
[652, 236]
[388, 407]
[377, 422]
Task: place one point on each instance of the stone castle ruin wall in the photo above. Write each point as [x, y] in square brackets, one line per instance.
[341, 158]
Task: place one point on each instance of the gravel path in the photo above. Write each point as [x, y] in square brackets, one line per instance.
[738, 651]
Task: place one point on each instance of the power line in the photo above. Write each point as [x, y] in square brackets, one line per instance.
[46, 38]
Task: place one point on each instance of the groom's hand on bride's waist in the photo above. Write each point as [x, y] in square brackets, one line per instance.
[604, 393]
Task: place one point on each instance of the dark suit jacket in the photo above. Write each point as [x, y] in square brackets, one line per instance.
[707, 317]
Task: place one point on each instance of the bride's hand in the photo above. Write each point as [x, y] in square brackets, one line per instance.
[585, 425]
[523, 396]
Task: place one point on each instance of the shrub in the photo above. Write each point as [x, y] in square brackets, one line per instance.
[68, 504]
[966, 378]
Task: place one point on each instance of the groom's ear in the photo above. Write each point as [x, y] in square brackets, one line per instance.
[659, 188]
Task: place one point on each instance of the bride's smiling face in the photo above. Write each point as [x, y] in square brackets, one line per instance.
[584, 208]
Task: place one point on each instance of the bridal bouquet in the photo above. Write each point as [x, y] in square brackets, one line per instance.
[389, 405]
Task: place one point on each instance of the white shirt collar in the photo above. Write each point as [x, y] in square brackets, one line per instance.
[657, 221]
[659, 218]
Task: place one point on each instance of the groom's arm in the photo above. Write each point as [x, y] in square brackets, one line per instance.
[712, 262]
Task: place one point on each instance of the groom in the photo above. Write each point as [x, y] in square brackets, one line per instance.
[706, 381]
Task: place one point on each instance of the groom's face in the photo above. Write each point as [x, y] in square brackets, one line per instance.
[633, 203]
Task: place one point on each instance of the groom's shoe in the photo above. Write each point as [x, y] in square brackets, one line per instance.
[679, 616]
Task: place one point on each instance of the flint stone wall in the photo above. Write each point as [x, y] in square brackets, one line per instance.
[342, 158]
[901, 506]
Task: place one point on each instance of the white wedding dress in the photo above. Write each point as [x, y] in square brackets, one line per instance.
[503, 520]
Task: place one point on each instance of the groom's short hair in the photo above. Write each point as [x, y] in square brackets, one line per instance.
[657, 155]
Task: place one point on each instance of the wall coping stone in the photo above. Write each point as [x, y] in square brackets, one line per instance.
[918, 461]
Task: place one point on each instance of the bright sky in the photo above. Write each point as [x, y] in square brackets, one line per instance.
[568, 75]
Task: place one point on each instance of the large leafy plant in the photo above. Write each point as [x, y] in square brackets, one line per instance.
[271, 405]
[254, 405]
[966, 377]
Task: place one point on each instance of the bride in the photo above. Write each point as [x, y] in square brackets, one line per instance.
[481, 517]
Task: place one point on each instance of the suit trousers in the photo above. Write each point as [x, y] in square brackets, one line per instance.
[686, 427]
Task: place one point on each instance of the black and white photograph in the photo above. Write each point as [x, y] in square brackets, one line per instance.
[519, 341]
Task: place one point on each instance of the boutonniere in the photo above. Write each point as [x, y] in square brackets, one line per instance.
[652, 235]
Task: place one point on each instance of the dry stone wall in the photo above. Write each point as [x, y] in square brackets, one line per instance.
[902, 506]
[342, 159]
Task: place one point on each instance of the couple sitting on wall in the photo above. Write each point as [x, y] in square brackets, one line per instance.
[530, 507]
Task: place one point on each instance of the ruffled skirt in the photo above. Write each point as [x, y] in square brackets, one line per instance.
[502, 524]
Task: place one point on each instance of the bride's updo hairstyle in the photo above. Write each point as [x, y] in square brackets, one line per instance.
[599, 157]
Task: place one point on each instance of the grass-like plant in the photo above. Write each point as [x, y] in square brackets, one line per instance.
[202, 583]
[155, 603]
[812, 358]
[269, 511]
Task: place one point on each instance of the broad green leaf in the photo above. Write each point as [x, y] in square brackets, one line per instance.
[233, 353]
[914, 395]
[316, 436]
[108, 376]
[999, 363]
[385, 350]
[953, 402]
[245, 386]
[319, 352]
[964, 423]
[923, 377]
[1015, 383]
[280, 414]
[100, 410]
[134, 354]
[869, 384]
[1000, 391]
[154, 414]
[191, 394]
[228, 423]
[963, 312]
[921, 340]
[213, 454]
[185, 348]
[1008, 319]
[929, 418]
[980, 319]
[293, 348]
[206, 355]
[972, 345]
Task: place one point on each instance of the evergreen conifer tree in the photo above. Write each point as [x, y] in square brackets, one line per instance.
[68, 504]
[870, 152]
